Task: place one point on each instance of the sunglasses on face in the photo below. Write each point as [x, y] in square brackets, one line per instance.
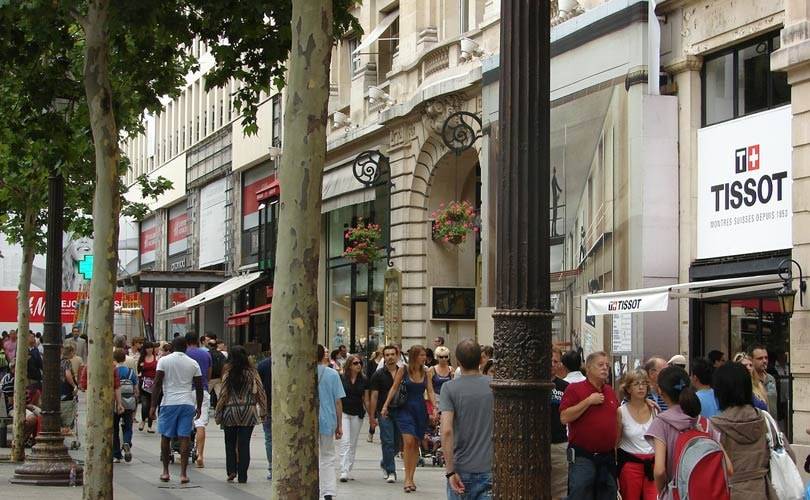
[356, 362]
[442, 357]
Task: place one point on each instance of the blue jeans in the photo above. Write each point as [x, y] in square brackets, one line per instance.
[268, 442]
[586, 481]
[122, 423]
[389, 439]
[477, 486]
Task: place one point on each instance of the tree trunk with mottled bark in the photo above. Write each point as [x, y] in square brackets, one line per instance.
[106, 208]
[294, 321]
[23, 317]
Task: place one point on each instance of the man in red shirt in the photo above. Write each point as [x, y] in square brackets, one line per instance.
[589, 409]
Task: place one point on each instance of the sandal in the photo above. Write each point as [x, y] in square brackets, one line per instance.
[231, 477]
[164, 478]
[184, 480]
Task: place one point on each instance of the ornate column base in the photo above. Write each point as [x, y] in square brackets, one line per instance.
[49, 464]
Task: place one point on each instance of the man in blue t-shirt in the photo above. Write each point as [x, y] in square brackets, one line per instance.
[330, 393]
[203, 358]
[702, 371]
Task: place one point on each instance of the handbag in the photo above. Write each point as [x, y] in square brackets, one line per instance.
[401, 396]
[784, 474]
[147, 383]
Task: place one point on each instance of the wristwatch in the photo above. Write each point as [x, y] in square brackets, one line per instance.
[450, 474]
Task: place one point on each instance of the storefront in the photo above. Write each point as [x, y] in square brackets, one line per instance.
[744, 228]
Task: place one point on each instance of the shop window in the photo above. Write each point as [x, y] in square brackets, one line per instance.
[739, 82]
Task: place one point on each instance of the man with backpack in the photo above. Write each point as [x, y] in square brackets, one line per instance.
[589, 408]
[122, 421]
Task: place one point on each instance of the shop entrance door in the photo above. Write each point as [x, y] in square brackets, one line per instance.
[360, 325]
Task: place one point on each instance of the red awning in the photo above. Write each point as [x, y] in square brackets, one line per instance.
[243, 317]
[270, 191]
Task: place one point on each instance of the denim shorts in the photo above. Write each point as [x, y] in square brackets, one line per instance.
[176, 420]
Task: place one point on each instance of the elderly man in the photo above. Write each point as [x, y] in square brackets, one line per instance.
[759, 357]
[589, 409]
[653, 367]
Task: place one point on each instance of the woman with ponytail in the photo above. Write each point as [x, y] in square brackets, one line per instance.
[682, 414]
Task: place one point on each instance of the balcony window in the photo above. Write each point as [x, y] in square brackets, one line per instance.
[276, 138]
[387, 48]
[739, 82]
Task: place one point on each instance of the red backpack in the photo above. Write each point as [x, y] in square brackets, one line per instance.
[700, 469]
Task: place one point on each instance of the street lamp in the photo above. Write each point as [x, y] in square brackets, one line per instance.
[49, 462]
[787, 295]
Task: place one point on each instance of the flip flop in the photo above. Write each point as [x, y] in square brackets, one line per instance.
[184, 480]
[164, 478]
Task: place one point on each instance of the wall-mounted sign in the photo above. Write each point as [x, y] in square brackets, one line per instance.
[148, 240]
[212, 223]
[392, 307]
[179, 229]
[744, 185]
[452, 303]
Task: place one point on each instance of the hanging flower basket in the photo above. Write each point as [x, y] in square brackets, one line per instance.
[454, 222]
[363, 243]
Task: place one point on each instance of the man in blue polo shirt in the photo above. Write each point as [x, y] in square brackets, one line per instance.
[330, 394]
[203, 358]
[589, 409]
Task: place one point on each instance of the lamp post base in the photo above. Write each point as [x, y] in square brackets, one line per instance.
[49, 464]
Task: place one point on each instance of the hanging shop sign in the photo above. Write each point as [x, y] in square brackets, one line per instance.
[628, 303]
[744, 185]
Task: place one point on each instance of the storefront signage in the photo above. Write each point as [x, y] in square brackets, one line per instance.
[149, 240]
[744, 185]
[178, 229]
[253, 182]
[642, 302]
[392, 307]
[69, 305]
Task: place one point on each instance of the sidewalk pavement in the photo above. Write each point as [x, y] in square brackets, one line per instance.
[139, 478]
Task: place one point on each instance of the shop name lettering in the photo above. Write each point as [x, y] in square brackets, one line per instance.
[624, 305]
[36, 305]
[748, 192]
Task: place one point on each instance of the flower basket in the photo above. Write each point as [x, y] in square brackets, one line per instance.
[454, 222]
[362, 243]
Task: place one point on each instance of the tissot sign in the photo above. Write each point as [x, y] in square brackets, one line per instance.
[744, 185]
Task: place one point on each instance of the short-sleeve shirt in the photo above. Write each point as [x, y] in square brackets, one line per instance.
[179, 371]
[203, 358]
[471, 401]
[708, 403]
[381, 381]
[355, 393]
[595, 430]
[330, 389]
[558, 432]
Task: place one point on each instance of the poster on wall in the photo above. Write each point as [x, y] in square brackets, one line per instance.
[149, 240]
[744, 185]
[212, 223]
[178, 230]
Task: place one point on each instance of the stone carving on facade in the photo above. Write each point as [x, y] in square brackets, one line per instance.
[438, 109]
[401, 135]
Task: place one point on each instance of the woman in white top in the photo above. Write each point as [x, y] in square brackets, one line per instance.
[635, 455]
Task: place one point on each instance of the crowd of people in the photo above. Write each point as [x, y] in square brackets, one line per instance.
[632, 442]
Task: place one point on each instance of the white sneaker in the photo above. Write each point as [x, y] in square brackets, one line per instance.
[344, 476]
[392, 478]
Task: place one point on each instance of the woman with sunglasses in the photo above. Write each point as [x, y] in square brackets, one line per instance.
[354, 410]
[441, 372]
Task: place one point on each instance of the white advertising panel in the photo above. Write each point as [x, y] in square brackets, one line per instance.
[642, 301]
[744, 185]
[212, 223]
[149, 240]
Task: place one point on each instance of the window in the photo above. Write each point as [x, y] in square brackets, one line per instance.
[739, 82]
[387, 48]
[464, 16]
[354, 64]
[276, 139]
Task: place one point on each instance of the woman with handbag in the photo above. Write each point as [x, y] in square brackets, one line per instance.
[242, 404]
[742, 434]
[411, 414]
[147, 368]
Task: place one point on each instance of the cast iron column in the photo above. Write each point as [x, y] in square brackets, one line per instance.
[49, 462]
[523, 318]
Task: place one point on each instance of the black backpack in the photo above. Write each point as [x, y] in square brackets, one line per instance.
[217, 364]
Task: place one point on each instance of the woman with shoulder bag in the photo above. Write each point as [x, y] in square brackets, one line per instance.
[147, 368]
[242, 404]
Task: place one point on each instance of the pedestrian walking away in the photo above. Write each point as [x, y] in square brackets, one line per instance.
[203, 358]
[147, 366]
[178, 387]
[355, 405]
[467, 423]
[242, 404]
[122, 421]
[635, 456]
[742, 432]
[702, 371]
[330, 423]
[589, 409]
[265, 374]
[412, 416]
[380, 385]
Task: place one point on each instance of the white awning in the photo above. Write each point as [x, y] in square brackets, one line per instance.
[340, 189]
[658, 298]
[218, 291]
[376, 32]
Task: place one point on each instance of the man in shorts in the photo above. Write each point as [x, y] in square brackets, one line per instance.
[179, 405]
[203, 358]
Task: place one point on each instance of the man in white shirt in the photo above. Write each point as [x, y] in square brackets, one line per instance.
[571, 362]
[176, 375]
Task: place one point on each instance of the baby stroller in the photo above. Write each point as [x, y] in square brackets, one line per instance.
[192, 447]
